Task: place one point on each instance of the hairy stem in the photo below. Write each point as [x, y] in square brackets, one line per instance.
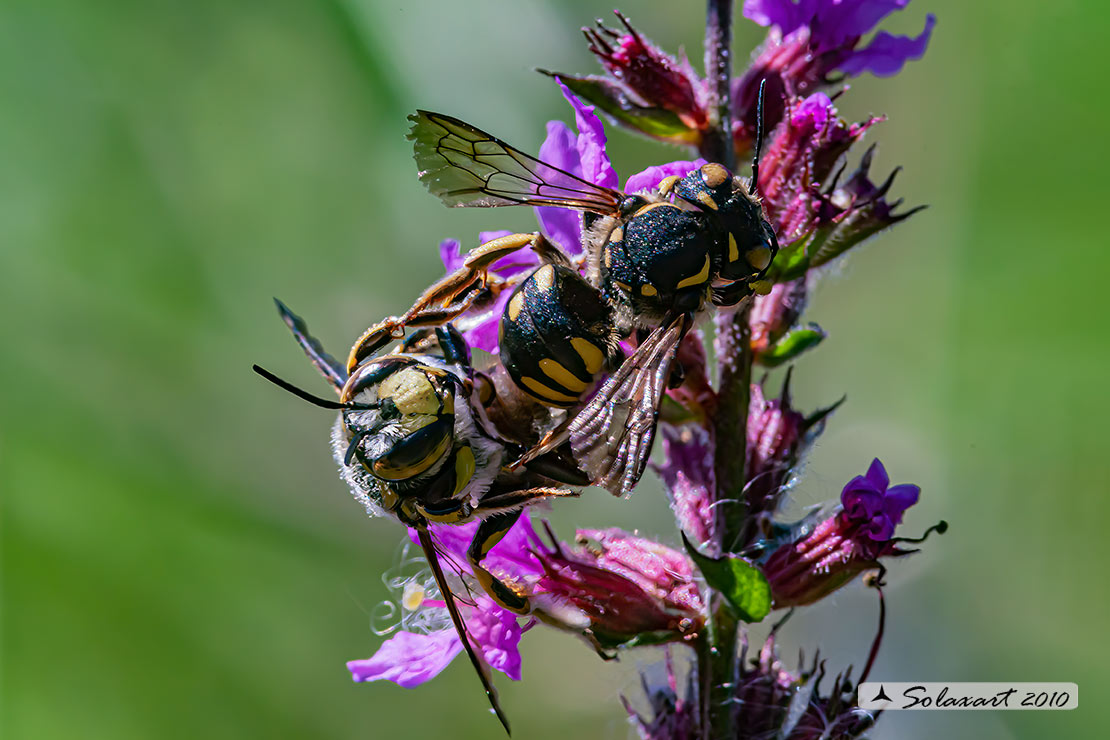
[717, 652]
[716, 143]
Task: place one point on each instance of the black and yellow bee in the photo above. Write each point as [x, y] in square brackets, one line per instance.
[654, 261]
[412, 440]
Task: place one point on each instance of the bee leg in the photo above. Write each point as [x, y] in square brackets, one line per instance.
[731, 294]
[448, 298]
[558, 467]
[489, 533]
[453, 346]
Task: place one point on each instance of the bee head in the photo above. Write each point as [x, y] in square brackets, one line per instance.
[409, 423]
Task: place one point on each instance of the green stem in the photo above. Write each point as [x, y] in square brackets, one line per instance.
[717, 661]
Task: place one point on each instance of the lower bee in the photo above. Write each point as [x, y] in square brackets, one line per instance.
[412, 440]
[654, 262]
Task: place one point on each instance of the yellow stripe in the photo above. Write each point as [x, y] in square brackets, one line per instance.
[649, 206]
[544, 278]
[464, 468]
[561, 375]
[515, 304]
[648, 289]
[701, 277]
[733, 250]
[590, 354]
[707, 200]
[543, 393]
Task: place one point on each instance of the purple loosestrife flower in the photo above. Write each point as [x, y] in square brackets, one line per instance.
[412, 657]
[817, 218]
[808, 43]
[580, 153]
[844, 545]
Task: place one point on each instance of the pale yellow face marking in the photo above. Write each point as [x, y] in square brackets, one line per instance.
[701, 277]
[608, 257]
[648, 290]
[762, 287]
[561, 375]
[713, 174]
[758, 257]
[544, 278]
[590, 354]
[617, 235]
[666, 185]
[546, 393]
[733, 250]
[411, 391]
[516, 303]
[464, 468]
[650, 206]
[707, 200]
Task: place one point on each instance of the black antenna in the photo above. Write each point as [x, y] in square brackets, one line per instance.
[314, 400]
[758, 137]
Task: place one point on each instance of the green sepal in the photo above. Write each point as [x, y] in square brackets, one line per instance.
[791, 345]
[742, 584]
[792, 260]
[658, 123]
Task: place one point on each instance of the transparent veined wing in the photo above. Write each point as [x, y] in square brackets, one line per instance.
[467, 167]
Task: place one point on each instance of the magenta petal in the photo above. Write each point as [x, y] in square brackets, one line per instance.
[596, 167]
[886, 54]
[408, 659]
[876, 474]
[860, 500]
[450, 252]
[813, 114]
[782, 13]
[880, 529]
[898, 499]
[650, 178]
[561, 225]
[497, 632]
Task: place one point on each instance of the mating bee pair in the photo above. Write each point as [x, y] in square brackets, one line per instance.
[414, 436]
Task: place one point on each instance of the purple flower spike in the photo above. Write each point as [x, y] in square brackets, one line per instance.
[811, 43]
[869, 501]
[595, 165]
[650, 178]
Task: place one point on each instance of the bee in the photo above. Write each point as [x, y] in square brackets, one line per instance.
[654, 262]
[412, 440]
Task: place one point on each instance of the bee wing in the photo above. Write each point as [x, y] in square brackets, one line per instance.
[325, 363]
[612, 435]
[466, 167]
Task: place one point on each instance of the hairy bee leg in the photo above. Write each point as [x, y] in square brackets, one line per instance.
[489, 533]
[448, 298]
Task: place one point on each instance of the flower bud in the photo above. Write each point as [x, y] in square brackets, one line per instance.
[618, 589]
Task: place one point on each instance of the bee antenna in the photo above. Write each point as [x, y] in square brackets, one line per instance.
[314, 400]
[758, 137]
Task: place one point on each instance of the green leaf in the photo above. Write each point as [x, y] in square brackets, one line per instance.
[791, 345]
[742, 584]
[792, 261]
[658, 123]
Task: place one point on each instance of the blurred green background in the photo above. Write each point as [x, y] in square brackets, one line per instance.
[179, 558]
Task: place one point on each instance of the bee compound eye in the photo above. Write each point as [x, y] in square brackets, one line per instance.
[415, 453]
